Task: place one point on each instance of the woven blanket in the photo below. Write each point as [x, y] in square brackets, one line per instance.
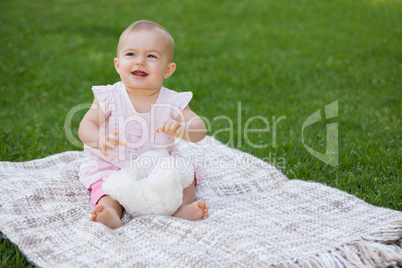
[258, 218]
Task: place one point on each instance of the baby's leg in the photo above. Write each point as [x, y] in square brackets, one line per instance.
[108, 211]
[190, 209]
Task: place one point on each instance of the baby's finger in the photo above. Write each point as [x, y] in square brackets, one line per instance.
[113, 139]
[103, 151]
[164, 127]
[110, 143]
[122, 142]
[159, 129]
[169, 127]
[175, 128]
[117, 141]
[178, 131]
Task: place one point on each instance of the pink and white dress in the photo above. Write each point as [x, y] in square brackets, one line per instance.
[137, 129]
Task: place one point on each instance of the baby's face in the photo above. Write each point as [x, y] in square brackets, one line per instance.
[143, 61]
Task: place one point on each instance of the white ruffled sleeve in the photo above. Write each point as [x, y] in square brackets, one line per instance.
[174, 102]
[179, 101]
[104, 97]
[182, 99]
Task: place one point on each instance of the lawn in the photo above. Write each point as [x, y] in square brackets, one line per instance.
[256, 64]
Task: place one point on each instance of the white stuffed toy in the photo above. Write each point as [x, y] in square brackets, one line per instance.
[152, 184]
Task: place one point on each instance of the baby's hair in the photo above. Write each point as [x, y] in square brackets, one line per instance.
[147, 25]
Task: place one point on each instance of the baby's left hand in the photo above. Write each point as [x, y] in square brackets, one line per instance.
[172, 127]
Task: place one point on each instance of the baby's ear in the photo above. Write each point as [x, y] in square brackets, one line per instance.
[170, 70]
[116, 64]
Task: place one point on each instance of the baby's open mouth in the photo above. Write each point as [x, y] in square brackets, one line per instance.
[139, 73]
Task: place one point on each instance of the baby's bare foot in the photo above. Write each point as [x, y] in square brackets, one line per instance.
[197, 210]
[108, 216]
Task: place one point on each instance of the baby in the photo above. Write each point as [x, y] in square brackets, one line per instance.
[135, 115]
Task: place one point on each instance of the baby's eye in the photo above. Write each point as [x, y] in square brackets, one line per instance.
[130, 54]
[151, 56]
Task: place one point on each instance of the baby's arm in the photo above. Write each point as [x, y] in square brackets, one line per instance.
[89, 134]
[188, 126]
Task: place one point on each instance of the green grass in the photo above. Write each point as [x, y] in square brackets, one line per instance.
[279, 58]
[11, 257]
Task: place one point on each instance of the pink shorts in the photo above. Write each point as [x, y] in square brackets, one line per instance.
[97, 191]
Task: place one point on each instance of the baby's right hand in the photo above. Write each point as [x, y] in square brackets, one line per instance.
[109, 142]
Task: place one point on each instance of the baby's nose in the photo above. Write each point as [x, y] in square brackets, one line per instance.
[140, 61]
